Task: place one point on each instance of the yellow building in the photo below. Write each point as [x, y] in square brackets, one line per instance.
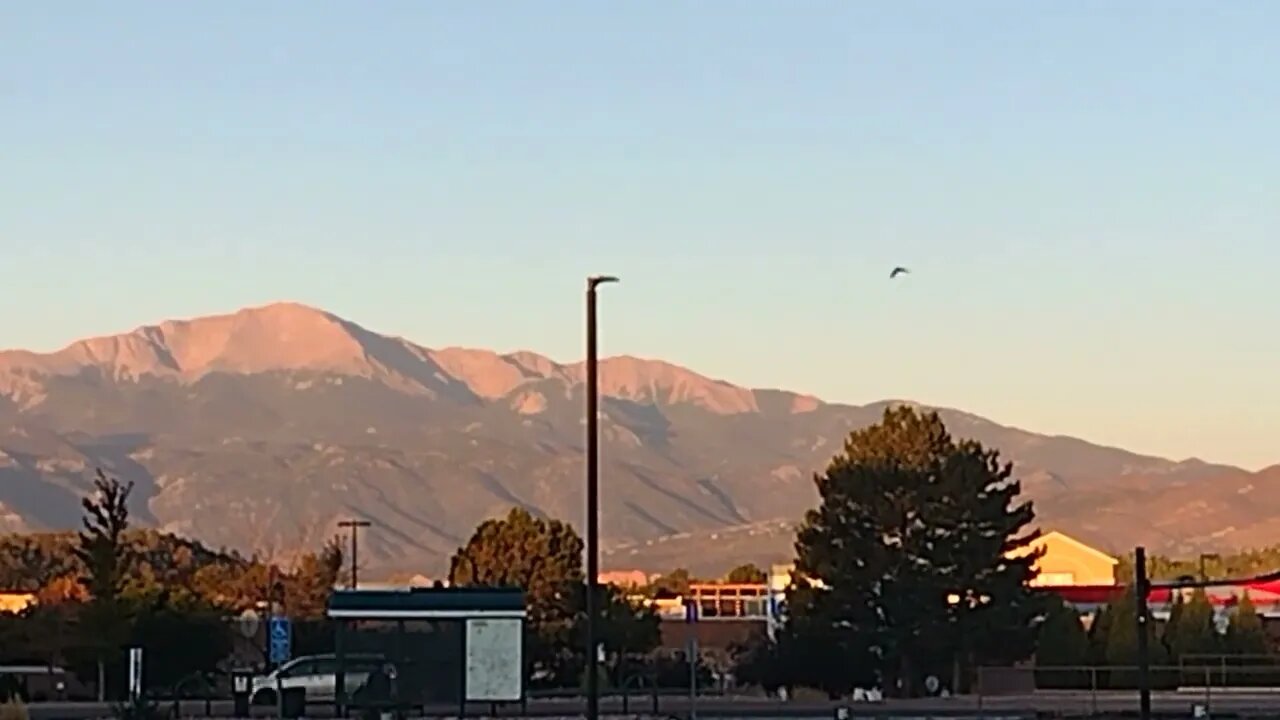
[1067, 561]
[15, 602]
[625, 578]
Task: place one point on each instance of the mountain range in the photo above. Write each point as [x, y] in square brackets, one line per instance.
[259, 430]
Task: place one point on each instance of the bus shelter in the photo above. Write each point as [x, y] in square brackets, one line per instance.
[423, 647]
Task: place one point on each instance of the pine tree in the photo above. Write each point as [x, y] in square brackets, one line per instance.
[913, 541]
[102, 547]
[1122, 634]
[105, 554]
[1099, 635]
[1062, 641]
[984, 520]
[1190, 630]
[1245, 633]
[1169, 637]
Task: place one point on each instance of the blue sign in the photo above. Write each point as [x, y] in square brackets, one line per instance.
[281, 635]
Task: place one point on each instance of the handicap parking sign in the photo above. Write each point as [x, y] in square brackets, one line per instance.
[281, 639]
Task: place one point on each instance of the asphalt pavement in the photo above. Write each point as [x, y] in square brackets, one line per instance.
[1056, 703]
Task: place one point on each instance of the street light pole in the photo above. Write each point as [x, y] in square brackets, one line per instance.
[354, 526]
[1142, 587]
[593, 497]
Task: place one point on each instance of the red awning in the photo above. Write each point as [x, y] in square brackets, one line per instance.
[1261, 593]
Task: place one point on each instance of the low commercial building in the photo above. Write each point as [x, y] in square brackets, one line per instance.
[1067, 562]
[731, 612]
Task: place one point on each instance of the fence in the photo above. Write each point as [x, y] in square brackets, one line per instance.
[1206, 681]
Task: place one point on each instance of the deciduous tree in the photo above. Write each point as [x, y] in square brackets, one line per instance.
[182, 636]
[748, 573]
[543, 558]
[626, 626]
[675, 582]
[312, 580]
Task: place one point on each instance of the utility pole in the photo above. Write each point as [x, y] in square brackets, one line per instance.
[1142, 587]
[1204, 576]
[354, 526]
[593, 498]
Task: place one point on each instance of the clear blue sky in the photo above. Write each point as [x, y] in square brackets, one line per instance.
[1088, 192]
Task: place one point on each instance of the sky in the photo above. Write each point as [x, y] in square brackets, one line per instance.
[1087, 193]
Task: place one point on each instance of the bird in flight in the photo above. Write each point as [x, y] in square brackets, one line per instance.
[898, 271]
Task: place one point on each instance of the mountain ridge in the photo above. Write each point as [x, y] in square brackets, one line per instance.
[172, 348]
[258, 429]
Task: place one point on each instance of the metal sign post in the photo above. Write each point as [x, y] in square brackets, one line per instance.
[691, 618]
[135, 673]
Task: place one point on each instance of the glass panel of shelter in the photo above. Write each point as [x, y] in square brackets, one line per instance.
[427, 656]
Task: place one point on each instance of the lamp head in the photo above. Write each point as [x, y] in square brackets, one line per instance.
[597, 280]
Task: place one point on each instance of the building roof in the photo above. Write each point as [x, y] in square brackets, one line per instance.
[1059, 535]
[427, 603]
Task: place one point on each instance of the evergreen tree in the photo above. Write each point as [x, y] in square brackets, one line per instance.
[1169, 637]
[102, 549]
[1063, 641]
[996, 617]
[1099, 635]
[104, 553]
[1122, 634]
[1245, 633]
[915, 542]
[1190, 630]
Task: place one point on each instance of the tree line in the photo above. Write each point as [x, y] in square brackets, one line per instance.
[916, 565]
[1239, 564]
[110, 586]
[912, 571]
[1189, 648]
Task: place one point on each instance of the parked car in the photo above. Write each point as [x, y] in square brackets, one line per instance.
[318, 674]
[41, 683]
